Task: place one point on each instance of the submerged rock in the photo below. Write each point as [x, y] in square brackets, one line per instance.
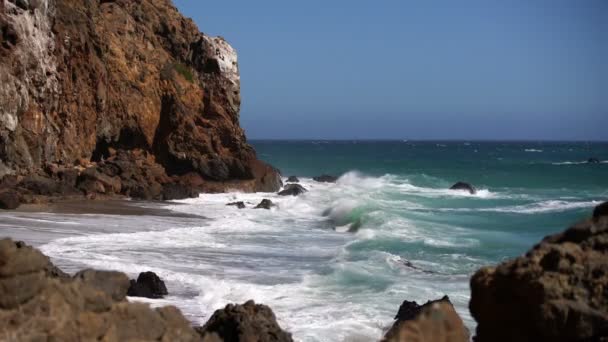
[148, 285]
[293, 179]
[292, 190]
[433, 321]
[555, 292]
[246, 322]
[265, 204]
[239, 204]
[325, 179]
[464, 186]
[409, 264]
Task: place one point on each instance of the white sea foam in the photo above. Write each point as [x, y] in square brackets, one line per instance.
[532, 208]
[545, 207]
[577, 162]
[533, 150]
[323, 282]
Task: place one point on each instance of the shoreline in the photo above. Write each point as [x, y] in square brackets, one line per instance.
[581, 243]
[107, 206]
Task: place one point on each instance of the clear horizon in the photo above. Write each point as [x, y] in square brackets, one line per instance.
[476, 70]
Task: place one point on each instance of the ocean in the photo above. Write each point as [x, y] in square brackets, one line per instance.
[335, 263]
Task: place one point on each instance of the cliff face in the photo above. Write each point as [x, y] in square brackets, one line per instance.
[84, 78]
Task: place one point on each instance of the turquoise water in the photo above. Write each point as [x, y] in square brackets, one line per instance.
[536, 188]
[336, 262]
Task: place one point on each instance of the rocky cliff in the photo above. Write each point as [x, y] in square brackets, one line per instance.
[82, 80]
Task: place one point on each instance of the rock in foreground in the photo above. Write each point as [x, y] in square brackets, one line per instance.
[38, 304]
[247, 322]
[433, 321]
[37, 307]
[148, 285]
[558, 291]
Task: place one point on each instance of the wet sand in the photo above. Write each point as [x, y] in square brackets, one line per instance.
[104, 207]
[37, 224]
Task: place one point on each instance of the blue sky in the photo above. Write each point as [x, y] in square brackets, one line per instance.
[468, 69]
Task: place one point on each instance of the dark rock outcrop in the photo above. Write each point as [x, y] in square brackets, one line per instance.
[265, 204]
[246, 322]
[239, 204]
[325, 179]
[433, 321]
[174, 191]
[555, 292]
[292, 190]
[593, 161]
[148, 285]
[86, 81]
[293, 179]
[464, 186]
[37, 307]
[9, 200]
[600, 211]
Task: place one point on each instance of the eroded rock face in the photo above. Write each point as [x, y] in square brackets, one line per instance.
[246, 322]
[83, 78]
[558, 291]
[37, 307]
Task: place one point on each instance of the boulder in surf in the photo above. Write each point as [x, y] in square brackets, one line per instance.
[325, 179]
[464, 186]
[292, 190]
[265, 204]
[148, 285]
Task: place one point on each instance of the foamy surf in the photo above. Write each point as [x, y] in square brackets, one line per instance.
[333, 263]
[578, 162]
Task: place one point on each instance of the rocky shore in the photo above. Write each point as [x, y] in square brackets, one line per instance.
[555, 292]
[118, 98]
